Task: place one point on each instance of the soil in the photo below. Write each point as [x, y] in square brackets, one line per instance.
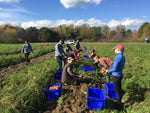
[73, 100]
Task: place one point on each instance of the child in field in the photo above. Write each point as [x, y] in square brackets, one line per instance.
[26, 49]
[106, 62]
[116, 71]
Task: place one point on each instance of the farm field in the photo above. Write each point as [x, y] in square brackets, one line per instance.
[23, 90]
[10, 54]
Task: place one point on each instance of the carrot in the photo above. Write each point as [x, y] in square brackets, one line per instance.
[102, 70]
[53, 87]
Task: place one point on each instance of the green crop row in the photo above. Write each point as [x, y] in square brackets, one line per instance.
[136, 72]
[15, 59]
[24, 91]
[7, 49]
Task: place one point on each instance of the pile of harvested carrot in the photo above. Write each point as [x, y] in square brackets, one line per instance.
[102, 71]
[53, 87]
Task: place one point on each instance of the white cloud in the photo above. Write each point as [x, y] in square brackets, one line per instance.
[126, 22]
[143, 16]
[10, 1]
[75, 3]
[37, 24]
[113, 23]
[92, 22]
[48, 23]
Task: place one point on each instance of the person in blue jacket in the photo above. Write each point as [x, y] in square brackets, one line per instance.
[26, 49]
[116, 71]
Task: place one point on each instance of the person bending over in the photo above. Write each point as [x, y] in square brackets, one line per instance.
[106, 62]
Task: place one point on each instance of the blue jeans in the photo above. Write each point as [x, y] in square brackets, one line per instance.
[108, 76]
[60, 62]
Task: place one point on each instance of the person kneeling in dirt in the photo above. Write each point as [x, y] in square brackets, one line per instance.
[106, 62]
[68, 76]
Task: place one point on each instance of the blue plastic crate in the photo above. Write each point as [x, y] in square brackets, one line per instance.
[81, 50]
[86, 68]
[53, 94]
[109, 90]
[85, 48]
[58, 75]
[86, 56]
[95, 99]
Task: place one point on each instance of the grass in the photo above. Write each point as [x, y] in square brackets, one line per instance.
[136, 74]
[20, 88]
[12, 59]
[7, 49]
[24, 91]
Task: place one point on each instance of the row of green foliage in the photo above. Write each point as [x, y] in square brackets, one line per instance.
[7, 49]
[136, 72]
[18, 94]
[24, 91]
[15, 59]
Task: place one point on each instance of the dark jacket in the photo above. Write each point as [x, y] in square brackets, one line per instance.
[68, 73]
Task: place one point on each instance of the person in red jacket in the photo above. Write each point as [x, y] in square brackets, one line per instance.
[106, 62]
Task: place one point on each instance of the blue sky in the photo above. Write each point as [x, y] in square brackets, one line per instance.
[52, 13]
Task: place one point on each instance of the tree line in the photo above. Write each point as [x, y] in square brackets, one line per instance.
[16, 34]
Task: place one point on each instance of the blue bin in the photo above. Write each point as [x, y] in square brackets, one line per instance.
[146, 40]
[86, 56]
[53, 94]
[58, 75]
[87, 69]
[109, 90]
[85, 48]
[80, 50]
[95, 99]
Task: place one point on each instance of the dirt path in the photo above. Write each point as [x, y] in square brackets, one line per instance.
[22, 65]
[73, 100]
